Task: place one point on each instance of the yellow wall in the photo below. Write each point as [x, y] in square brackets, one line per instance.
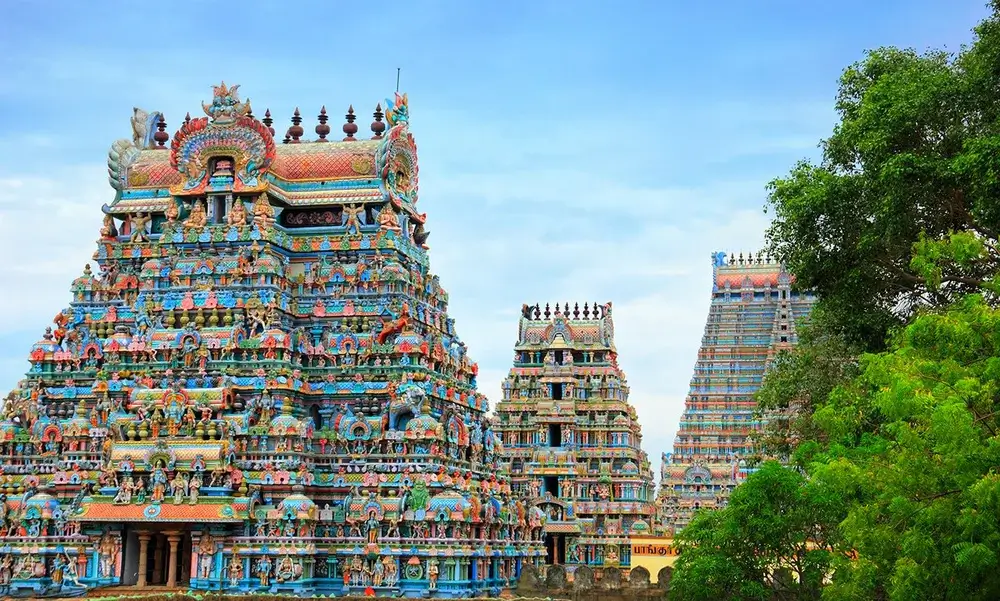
[653, 553]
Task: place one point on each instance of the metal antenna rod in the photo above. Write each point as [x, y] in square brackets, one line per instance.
[397, 78]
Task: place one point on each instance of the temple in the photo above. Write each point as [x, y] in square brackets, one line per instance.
[753, 315]
[572, 441]
[259, 387]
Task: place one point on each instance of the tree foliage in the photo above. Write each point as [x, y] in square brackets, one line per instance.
[762, 545]
[912, 447]
[890, 406]
[902, 211]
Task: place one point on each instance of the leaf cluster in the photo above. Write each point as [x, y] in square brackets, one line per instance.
[888, 411]
[902, 211]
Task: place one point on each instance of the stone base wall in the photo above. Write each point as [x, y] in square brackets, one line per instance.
[610, 584]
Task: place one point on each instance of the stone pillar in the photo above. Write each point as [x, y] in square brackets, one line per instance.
[143, 557]
[173, 538]
[158, 560]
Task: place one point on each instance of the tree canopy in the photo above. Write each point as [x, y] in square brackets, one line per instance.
[889, 409]
[762, 546]
[902, 211]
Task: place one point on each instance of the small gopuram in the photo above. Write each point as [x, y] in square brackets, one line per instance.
[258, 388]
[753, 315]
[572, 441]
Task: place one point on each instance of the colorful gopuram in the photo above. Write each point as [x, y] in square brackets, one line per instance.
[753, 315]
[571, 440]
[258, 388]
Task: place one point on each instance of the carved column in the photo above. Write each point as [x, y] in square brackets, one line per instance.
[143, 557]
[173, 538]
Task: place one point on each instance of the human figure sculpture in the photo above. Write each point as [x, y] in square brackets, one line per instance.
[353, 214]
[206, 556]
[138, 224]
[198, 217]
[237, 214]
[264, 565]
[432, 574]
[193, 489]
[179, 487]
[235, 569]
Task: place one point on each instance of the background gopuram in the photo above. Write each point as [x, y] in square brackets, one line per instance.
[753, 315]
[571, 439]
[259, 387]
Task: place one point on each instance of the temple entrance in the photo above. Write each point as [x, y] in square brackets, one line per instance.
[555, 549]
[157, 558]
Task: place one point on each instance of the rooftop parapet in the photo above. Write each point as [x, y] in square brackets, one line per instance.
[588, 327]
[536, 313]
[749, 270]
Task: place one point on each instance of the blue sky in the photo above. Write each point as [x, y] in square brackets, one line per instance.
[569, 151]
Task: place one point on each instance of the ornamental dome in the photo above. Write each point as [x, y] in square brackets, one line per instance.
[422, 427]
[266, 264]
[450, 501]
[285, 422]
[639, 526]
[279, 337]
[79, 422]
[85, 281]
[151, 268]
[46, 344]
[121, 338]
[297, 504]
[46, 504]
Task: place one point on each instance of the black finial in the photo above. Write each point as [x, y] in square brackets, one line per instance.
[586, 311]
[378, 126]
[322, 129]
[267, 120]
[350, 128]
[161, 136]
[187, 118]
[576, 310]
[296, 131]
[547, 312]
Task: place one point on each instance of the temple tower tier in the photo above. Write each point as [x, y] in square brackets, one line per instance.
[754, 315]
[571, 440]
[259, 387]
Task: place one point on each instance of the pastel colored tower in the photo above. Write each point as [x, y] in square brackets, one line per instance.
[572, 441]
[754, 314]
[259, 387]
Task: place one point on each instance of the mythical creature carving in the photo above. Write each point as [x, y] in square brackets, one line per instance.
[226, 105]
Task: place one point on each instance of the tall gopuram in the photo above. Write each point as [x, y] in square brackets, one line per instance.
[754, 314]
[258, 388]
[572, 441]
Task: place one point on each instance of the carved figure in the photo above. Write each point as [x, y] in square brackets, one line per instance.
[264, 565]
[138, 223]
[198, 218]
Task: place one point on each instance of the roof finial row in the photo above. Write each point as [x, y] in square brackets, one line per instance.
[760, 259]
[350, 128]
[537, 313]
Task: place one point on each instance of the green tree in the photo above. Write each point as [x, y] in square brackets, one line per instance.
[903, 210]
[912, 446]
[762, 545]
[896, 230]
[798, 381]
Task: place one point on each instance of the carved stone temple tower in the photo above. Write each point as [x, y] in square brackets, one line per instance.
[753, 315]
[571, 439]
[259, 387]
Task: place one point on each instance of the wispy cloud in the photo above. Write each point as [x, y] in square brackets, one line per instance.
[588, 155]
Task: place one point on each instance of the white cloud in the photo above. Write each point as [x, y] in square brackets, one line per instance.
[48, 229]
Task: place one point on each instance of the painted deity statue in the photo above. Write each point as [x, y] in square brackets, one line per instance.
[238, 214]
[198, 218]
[206, 556]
